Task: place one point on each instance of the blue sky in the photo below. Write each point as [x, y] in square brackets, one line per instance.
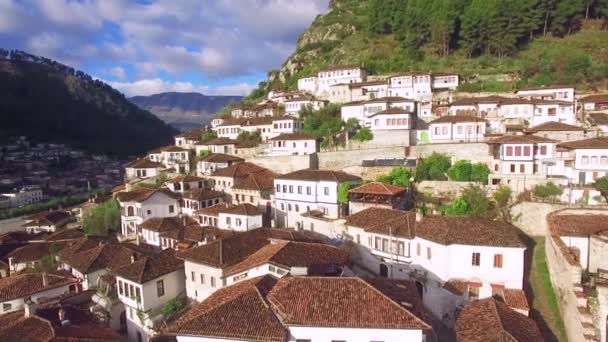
[149, 46]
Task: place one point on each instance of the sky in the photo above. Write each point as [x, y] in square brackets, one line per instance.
[215, 47]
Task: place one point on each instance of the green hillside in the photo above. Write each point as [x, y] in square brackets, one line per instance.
[493, 44]
[51, 102]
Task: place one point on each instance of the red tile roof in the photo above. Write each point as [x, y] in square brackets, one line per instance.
[15, 326]
[320, 175]
[185, 179]
[292, 254]
[520, 139]
[555, 126]
[144, 163]
[238, 170]
[27, 284]
[221, 158]
[338, 303]
[456, 118]
[293, 136]
[238, 312]
[49, 218]
[592, 143]
[583, 225]
[162, 224]
[244, 209]
[378, 188]
[202, 194]
[491, 320]
[515, 299]
[258, 181]
[392, 111]
[141, 194]
[151, 267]
[32, 252]
[385, 221]
[213, 210]
[594, 98]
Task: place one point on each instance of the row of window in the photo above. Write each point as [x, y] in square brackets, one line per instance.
[202, 279]
[586, 160]
[287, 125]
[131, 211]
[338, 73]
[525, 151]
[392, 122]
[476, 260]
[289, 189]
[459, 129]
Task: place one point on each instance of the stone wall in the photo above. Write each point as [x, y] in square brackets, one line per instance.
[341, 159]
[566, 277]
[479, 152]
[445, 189]
[531, 216]
[368, 173]
[285, 164]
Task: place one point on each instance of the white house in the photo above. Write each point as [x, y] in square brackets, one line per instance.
[144, 286]
[553, 110]
[196, 199]
[25, 195]
[151, 229]
[590, 157]
[302, 309]
[295, 105]
[187, 139]
[363, 110]
[560, 93]
[37, 287]
[172, 156]
[392, 126]
[309, 84]
[287, 144]
[339, 74]
[594, 102]
[222, 145]
[143, 168]
[301, 191]
[214, 161]
[457, 128]
[242, 217]
[225, 179]
[138, 205]
[181, 184]
[286, 124]
[48, 221]
[521, 161]
[480, 256]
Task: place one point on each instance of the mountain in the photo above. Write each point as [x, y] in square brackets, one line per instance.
[51, 102]
[184, 109]
[495, 45]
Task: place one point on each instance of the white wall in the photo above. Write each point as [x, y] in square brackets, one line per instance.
[317, 334]
[194, 288]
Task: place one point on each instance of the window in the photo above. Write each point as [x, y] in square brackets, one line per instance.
[7, 307]
[308, 190]
[377, 243]
[289, 206]
[299, 189]
[509, 151]
[326, 191]
[517, 151]
[428, 253]
[121, 289]
[212, 281]
[385, 245]
[297, 207]
[131, 291]
[543, 150]
[160, 288]
[171, 209]
[603, 160]
[512, 168]
[526, 150]
[497, 260]
[551, 111]
[278, 188]
[149, 212]
[418, 249]
[475, 259]
[202, 278]
[192, 276]
[228, 220]
[585, 160]
[522, 168]
[284, 188]
[291, 189]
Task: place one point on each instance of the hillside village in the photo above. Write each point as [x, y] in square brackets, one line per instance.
[254, 230]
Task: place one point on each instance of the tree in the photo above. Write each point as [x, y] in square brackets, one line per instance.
[172, 307]
[601, 185]
[208, 135]
[343, 189]
[250, 137]
[458, 208]
[480, 173]
[102, 219]
[460, 171]
[547, 191]
[477, 200]
[399, 176]
[502, 198]
[567, 16]
[364, 134]
[434, 167]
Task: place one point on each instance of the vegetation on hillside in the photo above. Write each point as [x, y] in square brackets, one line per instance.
[517, 42]
[102, 219]
[52, 102]
[399, 176]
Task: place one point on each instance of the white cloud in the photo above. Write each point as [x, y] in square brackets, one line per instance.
[157, 85]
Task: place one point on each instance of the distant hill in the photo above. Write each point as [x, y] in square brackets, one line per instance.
[184, 109]
[48, 101]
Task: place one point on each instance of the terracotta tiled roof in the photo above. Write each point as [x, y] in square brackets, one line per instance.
[173, 148]
[144, 163]
[469, 231]
[202, 194]
[49, 218]
[31, 252]
[27, 284]
[292, 254]
[185, 179]
[80, 245]
[491, 320]
[520, 139]
[199, 234]
[293, 136]
[599, 118]
[244, 209]
[403, 292]
[555, 126]
[151, 267]
[456, 119]
[233, 249]
[594, 98]
[238, 312]
[238, 170]
[221, 158]
[140, 194]
[592, 143]
[15, 326]
[378, 188]
[583, 225]
[257, 181]
[66, 234]
[194, 134]
[320, 175]
[456, 286]
[219, 141]
[338, 302]
[471, 101]
[265, 120]
[341, 67]
[385, 221]
[213, 210]
[516, 299]
[162, 224]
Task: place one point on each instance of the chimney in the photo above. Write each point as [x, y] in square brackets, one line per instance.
[133, 258]
[418, 216]
[45, 279]
[30, 308]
